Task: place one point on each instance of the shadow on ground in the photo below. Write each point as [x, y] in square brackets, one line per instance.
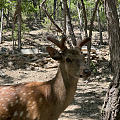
[88, 105]
[5, 79]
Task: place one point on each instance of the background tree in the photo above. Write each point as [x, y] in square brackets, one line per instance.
[1, 12]
[99, 24]
[54, 12]
[31, 9]
[17, 19]
[70, 26]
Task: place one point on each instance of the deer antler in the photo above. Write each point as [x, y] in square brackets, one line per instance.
[81, 43]
[60, 44]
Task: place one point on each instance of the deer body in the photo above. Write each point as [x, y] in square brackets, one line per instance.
[44, 100]
[37, 100]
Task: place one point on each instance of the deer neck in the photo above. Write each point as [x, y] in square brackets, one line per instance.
[63, 75]
[65, 85]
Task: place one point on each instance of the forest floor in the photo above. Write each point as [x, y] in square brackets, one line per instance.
[89, 97]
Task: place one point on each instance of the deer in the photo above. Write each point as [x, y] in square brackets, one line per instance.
[46, 100]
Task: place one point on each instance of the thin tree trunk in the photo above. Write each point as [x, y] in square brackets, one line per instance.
[80, 18]
[13, 28]
[1, 26]
[70, 27]
[54, 12]
[69, 4]
[64, 14]
[17, 17]
[93, 18]
[99, 25]
[19, 25]
[91, 28]
[35, 6]
[40, 13]
[85, 18]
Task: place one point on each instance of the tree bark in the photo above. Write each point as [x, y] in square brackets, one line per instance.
[91, 29]
[64, 14]
[111, 106]
[93, 18]
[113, 31]
[70, 27]
[17, 19]
[85, 18]
[19, 25]
[1, 25]
[99, 25]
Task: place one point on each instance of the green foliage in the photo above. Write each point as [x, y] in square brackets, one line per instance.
[73, 11]
[93, 67]
[6, 3]
[28, 9]
[24, 30]
[46, 21]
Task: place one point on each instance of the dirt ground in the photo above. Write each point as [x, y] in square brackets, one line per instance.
[17, 68]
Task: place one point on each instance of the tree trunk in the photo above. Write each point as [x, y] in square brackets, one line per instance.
[80, 18]
[69, 4]
[1, 25]
[54, 12]
[93, 18]
[40, 13]
[85, 18]
[113, 31]
[99, 25]
[35, 6]
[19, 25]
[91, 28]
[64, 14]
[70, 27]
[111, 107]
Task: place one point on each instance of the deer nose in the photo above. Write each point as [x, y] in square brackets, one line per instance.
[87, 72]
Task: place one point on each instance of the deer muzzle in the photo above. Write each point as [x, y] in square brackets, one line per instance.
[86, 73]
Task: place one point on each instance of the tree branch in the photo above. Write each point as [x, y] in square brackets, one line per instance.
[51, 19]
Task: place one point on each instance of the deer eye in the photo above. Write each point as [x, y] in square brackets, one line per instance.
[68, 60]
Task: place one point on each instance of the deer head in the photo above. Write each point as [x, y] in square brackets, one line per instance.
[73, 59]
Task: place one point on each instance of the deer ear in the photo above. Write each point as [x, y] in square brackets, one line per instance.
[83, 42]
[54, 53]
